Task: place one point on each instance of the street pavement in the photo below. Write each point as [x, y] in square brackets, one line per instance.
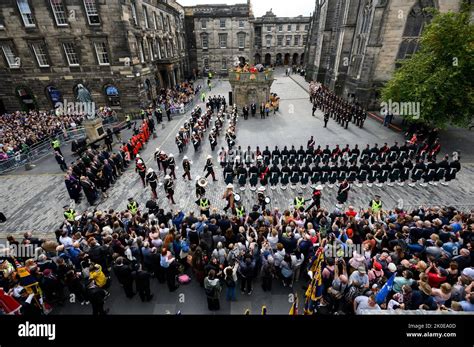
[33, 200]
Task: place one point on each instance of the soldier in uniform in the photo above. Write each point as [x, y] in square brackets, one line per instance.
[417, 172]
[430, 172]
[315, 174]
[365, 157]
[285, 174]
[228, 174]
[276, 155]
[443, 168]
[274, 175]
[285, 155]
[266, 155]
[169, 189]
[395, 171]
[152, 180]
[305, 175]
[300, 155]
[386, 168]
[209, 167]
[263, 173]
[326, 119]
[292, 156]
[179, 142]
[311, 143]
[200, 188]
[248, 157]
[196, 140]
[295, 174]
[242, 175]
[253, 176]
[186, 168]
[407, 168]
[171, 165]
[393, 153]
[213, 139]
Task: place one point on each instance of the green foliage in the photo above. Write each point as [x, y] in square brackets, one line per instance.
[440, 74]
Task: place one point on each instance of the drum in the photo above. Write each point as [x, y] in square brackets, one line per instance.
[267, 200]
[237, 197]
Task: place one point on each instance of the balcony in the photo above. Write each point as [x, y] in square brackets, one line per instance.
[266, 75]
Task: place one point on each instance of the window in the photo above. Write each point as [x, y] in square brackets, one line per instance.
[241, 23]
[280, 40]
[289, 27]
[268, 40]
[205, 41]
[297, 40]
[297, 27]
[163, 23]
[222, 23]
[305, 40]
[269, 28]
[145, 16]
[39, 49]
[280, 27]
[71, 54]
[142, 55]
[155, 21]
[101, 52]
[206, 63]
[169, 23]
[13, 61]
[223, 40]
[26, 13]
[288, 40]
[224, 64]
[306, 27]
[133, 8]
[91, 12]
[241, 40]
[59, 12]
[203, 24]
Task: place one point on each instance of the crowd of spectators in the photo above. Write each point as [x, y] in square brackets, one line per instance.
[427, 253]
[178, 97]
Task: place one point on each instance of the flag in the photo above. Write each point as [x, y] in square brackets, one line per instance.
[387, 288]
[315, 289]
[264, 310]
[294, 307]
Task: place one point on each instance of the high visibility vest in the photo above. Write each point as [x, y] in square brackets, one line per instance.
[70, 215]
[133, 207]
[376, 206]
[204, 204]
[56, 144]
[128, 118]
[240, 211]
[299, 202]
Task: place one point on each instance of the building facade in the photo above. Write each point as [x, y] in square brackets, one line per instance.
[355, 45]
[122, 51]
[280, 40]
[220, 35]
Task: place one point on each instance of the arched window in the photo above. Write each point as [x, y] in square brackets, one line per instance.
[417, 19]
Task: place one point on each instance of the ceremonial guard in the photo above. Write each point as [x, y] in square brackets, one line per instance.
[316, 197]
[229, 174]
[171, 165]
[169, 189]
[152, 180]
[186, 168]
[209, 167]
[285, 175]
[242, 176]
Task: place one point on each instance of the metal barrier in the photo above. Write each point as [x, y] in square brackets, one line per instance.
[40, 150]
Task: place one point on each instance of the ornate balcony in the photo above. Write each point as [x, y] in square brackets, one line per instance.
[266, 75]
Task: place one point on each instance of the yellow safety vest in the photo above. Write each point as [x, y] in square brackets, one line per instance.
[132, 207]
[56, 144]
[240, 211]
[70, 215]
[299, 202]
[376, 206]
[204, 204]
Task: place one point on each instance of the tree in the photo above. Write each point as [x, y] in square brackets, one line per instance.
[439, 76]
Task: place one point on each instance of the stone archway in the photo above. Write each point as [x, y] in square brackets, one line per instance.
[279, 60]
[287, 59]
[258, 58]
[268, 59]
[295, 59]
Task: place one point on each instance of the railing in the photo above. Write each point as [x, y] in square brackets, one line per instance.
[39, 150]
[251, 76]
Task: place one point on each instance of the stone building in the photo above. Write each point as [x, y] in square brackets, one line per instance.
[280, 40]
[355, 45]
[122, 51]
[218, 35]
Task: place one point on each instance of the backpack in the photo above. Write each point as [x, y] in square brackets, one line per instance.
[184, 279]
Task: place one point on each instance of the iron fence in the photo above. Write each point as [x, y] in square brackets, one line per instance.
[39, 150]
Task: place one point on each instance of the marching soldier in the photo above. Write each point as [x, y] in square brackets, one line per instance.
[305, 175]
[171, 165]
[266, 155]
[152, 181]
[394, 152]
[276, 155]
[292, 155]
[263, 172]
[140, 168]
[295, 174]
[209, 167]
[315, 174]
[395, 172]
[253, 176]
[454, 168]
[301, 154]
[417, 173]
[385, 169]
[196, 140]
[326, 119]
[352, 173]
[212, 140]
[407, 168]
[365, 157]
[285, 155]
[316, 197]
[186, 168]
[200, 187]
[229, 197]
[363, 173]
[342, 193]
[261, 199]
[430, 172]
[179, 142]
[325, 173]
[443, 168]
[274, 175]
[169, 189]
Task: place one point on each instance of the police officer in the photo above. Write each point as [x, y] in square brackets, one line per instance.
[69, 214]
[204, 205]
[376, 206]
[57, 146]
[240, 210]
[132, 206]
[299, 202]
